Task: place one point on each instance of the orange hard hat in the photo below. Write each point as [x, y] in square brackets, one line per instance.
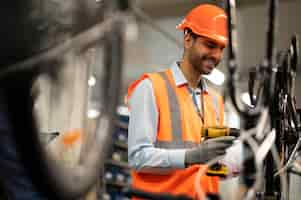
[207, 20]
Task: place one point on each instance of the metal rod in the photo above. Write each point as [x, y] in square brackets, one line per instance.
[232, 65]
[271, 33]
[83, 39]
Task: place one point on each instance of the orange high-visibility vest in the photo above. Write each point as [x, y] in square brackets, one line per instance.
[179, 126]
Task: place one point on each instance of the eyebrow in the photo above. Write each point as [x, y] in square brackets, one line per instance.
[212, 42]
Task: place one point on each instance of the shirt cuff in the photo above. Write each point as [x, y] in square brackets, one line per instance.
[177, 158]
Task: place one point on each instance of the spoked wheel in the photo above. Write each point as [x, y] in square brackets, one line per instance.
[49, 94]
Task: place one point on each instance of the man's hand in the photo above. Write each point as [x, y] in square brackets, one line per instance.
[209, 149]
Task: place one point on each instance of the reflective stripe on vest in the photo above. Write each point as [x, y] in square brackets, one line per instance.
[179, 127]
[176, 128]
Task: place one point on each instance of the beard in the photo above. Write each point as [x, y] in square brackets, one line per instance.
[203, 64]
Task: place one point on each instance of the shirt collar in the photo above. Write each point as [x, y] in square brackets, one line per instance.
[180, 79]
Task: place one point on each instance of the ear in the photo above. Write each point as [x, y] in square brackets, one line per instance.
[188, 41]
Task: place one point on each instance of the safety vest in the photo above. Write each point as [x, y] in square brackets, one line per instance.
[179, 126]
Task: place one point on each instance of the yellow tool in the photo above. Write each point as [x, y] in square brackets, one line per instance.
[218, 170]
[219, 131]
[214, 132]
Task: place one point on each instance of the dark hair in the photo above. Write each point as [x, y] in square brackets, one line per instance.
[192, 34]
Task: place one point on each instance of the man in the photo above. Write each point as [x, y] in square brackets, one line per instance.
[170, 108]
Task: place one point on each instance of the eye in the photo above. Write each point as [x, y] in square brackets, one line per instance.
[211, 45]
[214, 45]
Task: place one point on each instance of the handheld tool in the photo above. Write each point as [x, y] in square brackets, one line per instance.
[214, 132]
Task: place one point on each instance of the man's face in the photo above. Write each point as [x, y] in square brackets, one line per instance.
[203, 54]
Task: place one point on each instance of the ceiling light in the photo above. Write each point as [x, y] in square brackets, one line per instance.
[91, 81]
[93, 113]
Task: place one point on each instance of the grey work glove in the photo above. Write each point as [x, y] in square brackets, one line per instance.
[207, 150]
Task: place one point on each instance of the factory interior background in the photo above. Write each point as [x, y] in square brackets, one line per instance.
[147, 50]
